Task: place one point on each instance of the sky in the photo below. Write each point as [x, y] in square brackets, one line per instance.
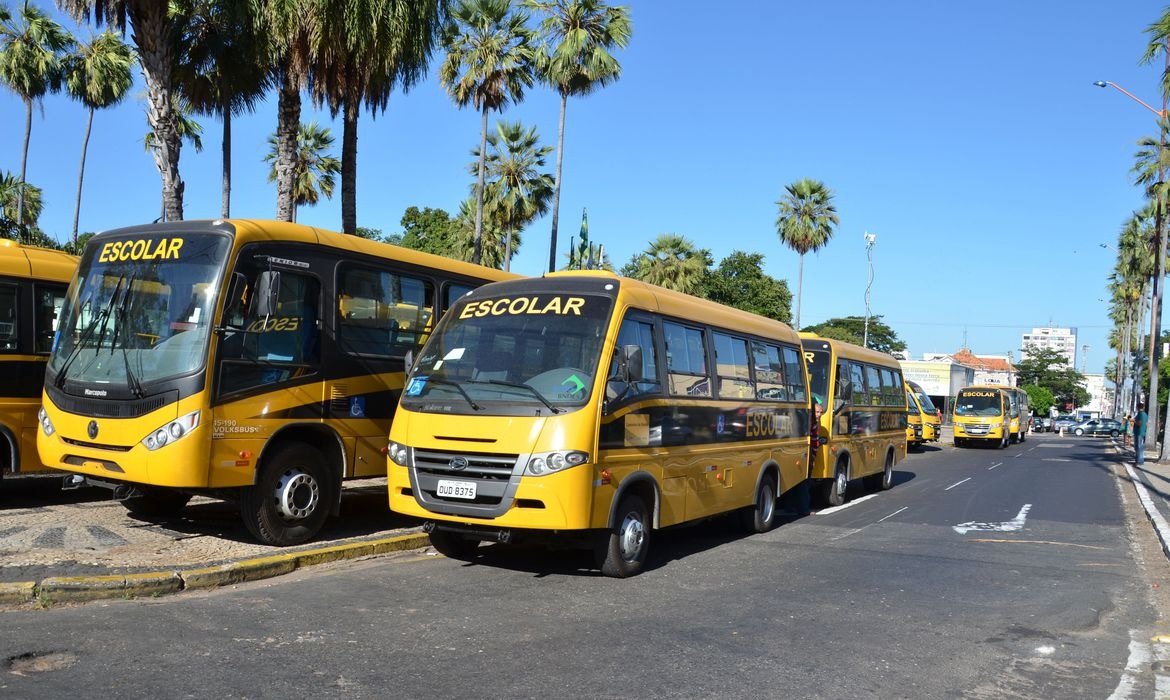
[967, 137]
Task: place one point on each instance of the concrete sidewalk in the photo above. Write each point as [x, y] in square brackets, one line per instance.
[1152, 483]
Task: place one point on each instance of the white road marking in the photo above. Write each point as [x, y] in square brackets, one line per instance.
[1016, 523]
[854, 502]
[1046, 650]
[957, 483]
[894, 513]
[1139, 657]
[997, 464]
[1161, 681]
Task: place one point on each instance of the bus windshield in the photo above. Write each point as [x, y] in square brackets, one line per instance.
[924, 401]
[515, 355]
[817, 362]
[977, 403]
[140, 310]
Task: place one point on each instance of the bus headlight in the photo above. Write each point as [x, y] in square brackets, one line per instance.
[397, 453]
[172, 431]
[543, 463]
[46, 424]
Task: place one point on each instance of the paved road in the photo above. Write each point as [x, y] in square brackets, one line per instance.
[1026, 572]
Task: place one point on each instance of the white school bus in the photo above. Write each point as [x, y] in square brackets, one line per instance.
[863, 427]
[599, 409]
[32, 290]
[256, 361]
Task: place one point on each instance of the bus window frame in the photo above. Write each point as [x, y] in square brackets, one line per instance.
[17, 320]
[429, 296]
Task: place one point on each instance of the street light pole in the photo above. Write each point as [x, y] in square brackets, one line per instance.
[870, 239]
[1160, 251]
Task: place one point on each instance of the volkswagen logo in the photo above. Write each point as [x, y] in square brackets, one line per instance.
[458, 463]
[92, 430]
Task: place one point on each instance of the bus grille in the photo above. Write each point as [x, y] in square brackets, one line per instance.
[495, 477]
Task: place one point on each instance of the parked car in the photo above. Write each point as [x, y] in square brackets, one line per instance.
[1064, 422]
[1042, 424]
[1104, 426]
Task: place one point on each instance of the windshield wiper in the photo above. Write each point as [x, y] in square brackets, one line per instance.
[131, 378]
[526, 387]
[459, 388]
[100, 319]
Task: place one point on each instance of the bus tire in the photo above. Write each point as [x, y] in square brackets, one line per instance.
[959, 442]
[621, 552]
[290, 501]
[453, 545]
[834, 490]
[155, 502]
[883, 481]
[761, 516]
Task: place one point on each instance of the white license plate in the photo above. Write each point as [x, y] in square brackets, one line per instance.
[456, 489]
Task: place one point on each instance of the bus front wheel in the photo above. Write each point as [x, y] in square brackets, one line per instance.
[621, 552]
[453, 545]
[761, 516]
[290, 501]
[834, 491]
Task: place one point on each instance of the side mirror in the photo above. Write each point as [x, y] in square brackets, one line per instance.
[267, 293]
[629, 367]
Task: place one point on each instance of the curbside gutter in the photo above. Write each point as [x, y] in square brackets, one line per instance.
[75, 589]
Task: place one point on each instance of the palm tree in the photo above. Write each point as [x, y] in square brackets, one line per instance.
[805, 223]
[368, 49]
[31, 44]
[151, 30]
[493, 245]
[221, 70]
[672, 262]
[489, 62]
[14, 221]
[576, 37]
[188, 129]
[516, 191]
[98, 75]
[314, 170]
[289, 28]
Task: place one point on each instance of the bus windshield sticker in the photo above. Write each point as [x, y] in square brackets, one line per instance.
[573, 384]
[416, 386]
[454, 354]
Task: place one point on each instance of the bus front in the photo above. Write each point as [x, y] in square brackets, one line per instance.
[495, 437]
[931, 420]
[981, 416]
[124, 402]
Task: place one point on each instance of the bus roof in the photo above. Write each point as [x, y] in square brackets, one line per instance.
[853, 352]
[31, 262]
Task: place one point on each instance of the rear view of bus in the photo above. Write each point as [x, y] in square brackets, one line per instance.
[32, 291]
[982, 416]
[596, 409]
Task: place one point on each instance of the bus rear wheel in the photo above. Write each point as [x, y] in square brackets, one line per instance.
[155, 502]
[833, 492]
[883, 481]
[621, 552]
[761, 517]
[291, 498]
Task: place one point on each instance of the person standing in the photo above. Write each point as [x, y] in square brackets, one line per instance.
[1126, 427]
[1139, 434]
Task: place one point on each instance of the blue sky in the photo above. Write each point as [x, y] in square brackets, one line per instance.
[967, 136]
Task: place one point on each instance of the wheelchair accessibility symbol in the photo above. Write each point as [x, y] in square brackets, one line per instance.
[357, 407]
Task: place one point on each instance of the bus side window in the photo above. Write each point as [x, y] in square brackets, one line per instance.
[686, 361]
[49, 300]
[8, 320]
[640, 333]
[731, 368]
[382, 313]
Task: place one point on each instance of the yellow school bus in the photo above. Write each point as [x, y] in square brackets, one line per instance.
[32, 290]
[931, 416]
[258, 361]
[600, 409]
[863, 427]
[915, 417]
[1020, 413]
[982, 415]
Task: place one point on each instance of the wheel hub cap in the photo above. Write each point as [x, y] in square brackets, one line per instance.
[297, 495]
[632, 534]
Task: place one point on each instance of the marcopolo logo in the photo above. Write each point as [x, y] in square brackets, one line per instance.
[92, 429]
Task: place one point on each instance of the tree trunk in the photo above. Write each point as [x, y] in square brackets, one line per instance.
[507, 250]
[349, 166]
[81, 175]
[556, 207]
[225, 208]
[288, 112]
[799, 290]
[23, 163]
[148, 19]
[1159, 281]
[478, 254]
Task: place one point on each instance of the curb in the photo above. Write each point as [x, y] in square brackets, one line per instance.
[1161, 527]
[76, 589]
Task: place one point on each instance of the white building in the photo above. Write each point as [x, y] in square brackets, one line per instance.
[1062, 340]
[1100, 396]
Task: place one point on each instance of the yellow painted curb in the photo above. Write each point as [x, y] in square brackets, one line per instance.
[18, 592]
[67, 589]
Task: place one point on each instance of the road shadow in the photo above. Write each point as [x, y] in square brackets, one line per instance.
[44, 490]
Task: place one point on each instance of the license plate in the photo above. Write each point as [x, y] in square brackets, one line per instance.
[456, 489]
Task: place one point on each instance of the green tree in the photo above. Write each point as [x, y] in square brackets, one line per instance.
[492, 242]
[671, 261]
[489, 63]
[188, 129]
[16, 223]
[805, 222]
[98, 75]
[152, 30]
[516, 192]
[31, 44]
[366, 50]
[1049, 368]
[739, 281]
[851, 329]
[430, 230]
[576, 38]
[1039, 398]
[221, 70]
[314, 169]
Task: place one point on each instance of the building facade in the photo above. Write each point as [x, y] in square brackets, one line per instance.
[1062, 340]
